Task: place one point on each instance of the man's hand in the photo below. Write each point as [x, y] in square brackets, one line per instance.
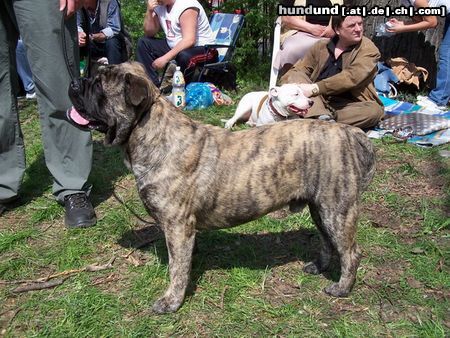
[151, 5]
[316, 30]
[328, 32]
[97, 37]
[309, 89]
[81, 39]
[160, 62]
[72, 6]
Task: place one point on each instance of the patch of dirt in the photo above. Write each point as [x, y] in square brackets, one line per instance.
[279, 214]
[280, 287]
[380, 216]
[389, 273]
[410, 178]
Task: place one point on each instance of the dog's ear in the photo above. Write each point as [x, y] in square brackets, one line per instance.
[273, 92]
[136, 89]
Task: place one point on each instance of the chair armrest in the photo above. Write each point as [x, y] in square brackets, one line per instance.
[216, 64]
[217, 46]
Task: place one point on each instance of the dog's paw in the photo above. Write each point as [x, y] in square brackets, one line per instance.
[312, 268]
[164, 305]
[335, 291]
[229, 124]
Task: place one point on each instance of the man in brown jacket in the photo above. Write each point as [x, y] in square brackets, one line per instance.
[339, 75]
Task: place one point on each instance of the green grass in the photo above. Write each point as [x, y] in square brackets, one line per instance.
[246, 281]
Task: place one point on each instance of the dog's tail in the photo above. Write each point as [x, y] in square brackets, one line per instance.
[366, 157]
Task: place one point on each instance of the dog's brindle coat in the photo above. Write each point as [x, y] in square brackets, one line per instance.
[192, 176]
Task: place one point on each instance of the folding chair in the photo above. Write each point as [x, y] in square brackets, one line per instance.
[276, 48]
[226, 28]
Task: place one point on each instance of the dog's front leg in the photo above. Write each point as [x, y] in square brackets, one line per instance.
[243, 111]
[180, 241]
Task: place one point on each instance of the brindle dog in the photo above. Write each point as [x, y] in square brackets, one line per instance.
[192, 176]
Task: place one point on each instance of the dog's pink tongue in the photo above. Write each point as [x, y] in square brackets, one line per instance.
[77, 118]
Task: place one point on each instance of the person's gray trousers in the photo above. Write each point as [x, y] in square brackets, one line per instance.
[67, 150]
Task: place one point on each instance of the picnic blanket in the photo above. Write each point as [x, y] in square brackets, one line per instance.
[421, 126]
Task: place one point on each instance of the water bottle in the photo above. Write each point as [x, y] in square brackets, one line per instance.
[178, 92]
[381, 29]
[82, 67]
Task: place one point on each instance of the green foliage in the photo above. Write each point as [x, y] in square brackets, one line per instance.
[133, 12]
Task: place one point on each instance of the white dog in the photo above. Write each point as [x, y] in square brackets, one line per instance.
[281, 103]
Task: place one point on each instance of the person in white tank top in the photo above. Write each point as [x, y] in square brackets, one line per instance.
[186, 29]
[438, 98]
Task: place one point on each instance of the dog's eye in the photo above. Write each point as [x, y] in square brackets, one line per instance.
[98, 86]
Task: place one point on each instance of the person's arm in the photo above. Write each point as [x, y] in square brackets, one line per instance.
[151, 20]
[297, 23]
[357, 73]
[309, 61]
[80, 24]
[113, 21]
[304, 66]
[188, 23]
[419, 23]
[328, 32]
[71, 5]
[112, 24]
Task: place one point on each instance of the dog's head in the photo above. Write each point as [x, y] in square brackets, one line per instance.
[113, 101]
[289, 100]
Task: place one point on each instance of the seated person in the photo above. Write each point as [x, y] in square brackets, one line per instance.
[105, 38]
[187, 31]
[339, 75]
[24, 70]
[299, 33]
[439, 97]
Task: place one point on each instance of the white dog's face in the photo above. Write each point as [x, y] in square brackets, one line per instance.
[289, 100]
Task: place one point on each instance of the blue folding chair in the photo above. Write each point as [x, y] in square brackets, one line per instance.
[226, 28]
[217, 57]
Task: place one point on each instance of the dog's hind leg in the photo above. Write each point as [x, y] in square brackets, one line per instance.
[341, 230]
[180, 242]
[320, 264]
[243, 111]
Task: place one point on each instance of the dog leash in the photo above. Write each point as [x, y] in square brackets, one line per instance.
[70, 67]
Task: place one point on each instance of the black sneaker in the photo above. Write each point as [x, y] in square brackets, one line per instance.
[2, 208]
[79, 211]
[9, 204]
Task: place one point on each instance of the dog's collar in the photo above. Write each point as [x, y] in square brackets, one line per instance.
[273, 110]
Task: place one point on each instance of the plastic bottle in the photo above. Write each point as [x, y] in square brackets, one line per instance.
[381, 29]
[82, 67]
[178, 90]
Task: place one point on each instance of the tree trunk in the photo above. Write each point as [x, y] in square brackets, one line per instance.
[420, 48]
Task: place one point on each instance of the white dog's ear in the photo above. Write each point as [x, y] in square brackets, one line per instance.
[273, 92]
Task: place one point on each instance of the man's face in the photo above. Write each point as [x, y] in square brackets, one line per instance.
[351, 30]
